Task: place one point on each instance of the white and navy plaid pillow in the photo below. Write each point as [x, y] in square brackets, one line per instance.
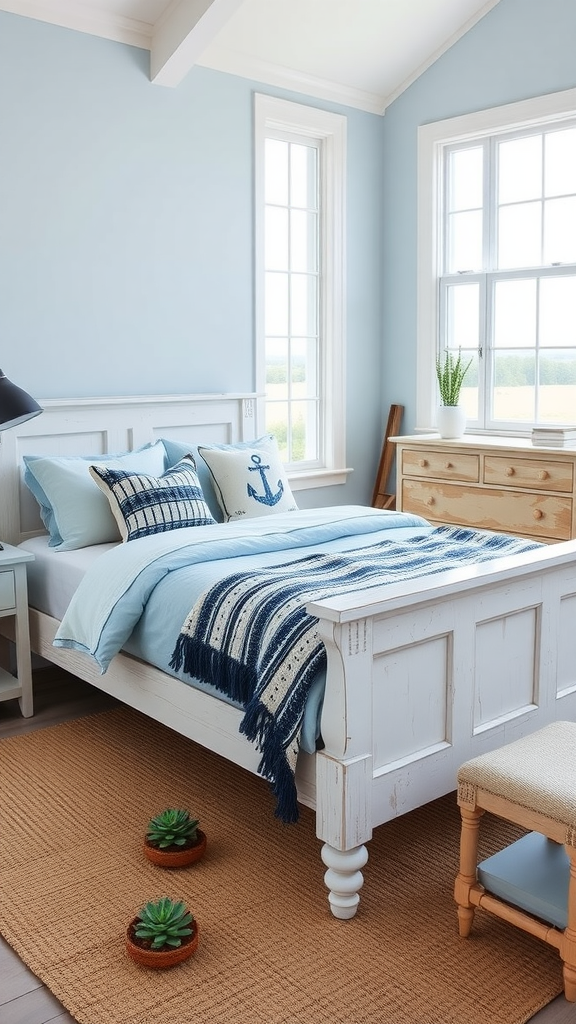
[143, 505]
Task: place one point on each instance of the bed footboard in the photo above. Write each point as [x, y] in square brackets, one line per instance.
[424, 676]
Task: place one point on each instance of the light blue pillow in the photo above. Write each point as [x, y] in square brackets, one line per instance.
[249, 479]
[176, 450]
[72, 507]
[143, 505]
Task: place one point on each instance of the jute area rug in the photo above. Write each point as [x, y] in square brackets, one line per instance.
[75, 801]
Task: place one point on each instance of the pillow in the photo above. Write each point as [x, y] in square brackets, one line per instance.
[72, 508]
[176, 450]
[249, 480]
[143, 504]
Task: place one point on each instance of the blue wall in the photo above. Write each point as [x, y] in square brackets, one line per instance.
[126, 216]
[126, 238]
[520, 49]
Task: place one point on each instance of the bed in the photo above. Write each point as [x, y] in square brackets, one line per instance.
[420, 674]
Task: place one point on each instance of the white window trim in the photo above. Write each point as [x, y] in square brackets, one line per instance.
[431, 140]
[284, 115]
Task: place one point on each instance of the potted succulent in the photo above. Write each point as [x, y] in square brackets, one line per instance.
[450, 373]
[173, 839]
[163, 934]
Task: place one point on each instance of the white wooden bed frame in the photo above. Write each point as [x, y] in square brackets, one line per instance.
[421, 675]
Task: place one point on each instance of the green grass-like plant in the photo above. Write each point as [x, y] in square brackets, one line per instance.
[165, 922]
[172, 827]
[450, 373]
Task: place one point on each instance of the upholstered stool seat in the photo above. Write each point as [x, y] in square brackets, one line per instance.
[531, 782]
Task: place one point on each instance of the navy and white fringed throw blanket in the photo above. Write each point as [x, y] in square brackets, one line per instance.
[251, 637]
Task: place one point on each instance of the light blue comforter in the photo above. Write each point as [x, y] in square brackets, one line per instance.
[137, 595]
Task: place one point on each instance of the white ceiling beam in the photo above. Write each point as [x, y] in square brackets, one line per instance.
[183, 34]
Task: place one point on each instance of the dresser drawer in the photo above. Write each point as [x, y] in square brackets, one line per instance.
[441, 465]
[7, 590]
[533, 473]
[546, 517]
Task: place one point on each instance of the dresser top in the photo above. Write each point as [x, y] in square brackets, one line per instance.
[523, 444]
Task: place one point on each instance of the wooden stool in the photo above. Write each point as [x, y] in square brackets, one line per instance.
[531, 782]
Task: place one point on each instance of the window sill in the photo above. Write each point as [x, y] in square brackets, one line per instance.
[318, 478]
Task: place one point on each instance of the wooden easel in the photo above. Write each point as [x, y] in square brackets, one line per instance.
[381, 498]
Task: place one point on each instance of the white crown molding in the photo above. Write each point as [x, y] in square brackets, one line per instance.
[82, 18]
[221, 59]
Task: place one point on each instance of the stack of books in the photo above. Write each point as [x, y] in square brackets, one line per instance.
[554, 437]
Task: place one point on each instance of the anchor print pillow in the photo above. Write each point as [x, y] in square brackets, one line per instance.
[249, 480]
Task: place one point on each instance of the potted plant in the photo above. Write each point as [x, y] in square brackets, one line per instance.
[173, 839]
[162, 934]
[450, 373]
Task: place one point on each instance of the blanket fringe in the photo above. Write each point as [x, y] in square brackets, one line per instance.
[204, 662]
[258, 726]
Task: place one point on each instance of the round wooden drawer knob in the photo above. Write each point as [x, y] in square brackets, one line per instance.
[543, 474]
[423, 462]
[538, 513]
[447, 465]
[429, 501]
[510, 471]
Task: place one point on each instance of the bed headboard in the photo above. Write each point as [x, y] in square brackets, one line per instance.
[98, 426]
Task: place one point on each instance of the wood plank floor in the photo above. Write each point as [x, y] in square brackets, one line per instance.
[23, 999]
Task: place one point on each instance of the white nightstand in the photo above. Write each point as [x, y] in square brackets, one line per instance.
[14, 601]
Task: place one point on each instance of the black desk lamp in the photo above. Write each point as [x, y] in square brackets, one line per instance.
[16, 405]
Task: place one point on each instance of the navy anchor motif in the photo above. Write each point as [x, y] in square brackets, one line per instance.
[268, 498]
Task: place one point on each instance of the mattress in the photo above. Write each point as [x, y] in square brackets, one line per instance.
[53, 576]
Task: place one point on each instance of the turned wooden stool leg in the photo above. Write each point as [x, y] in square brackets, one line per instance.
[467, 876]
[568, 946]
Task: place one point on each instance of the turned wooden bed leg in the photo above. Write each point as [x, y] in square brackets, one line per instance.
[344, 878]
[467, 876]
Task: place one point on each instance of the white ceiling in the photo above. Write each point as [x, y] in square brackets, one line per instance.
[362, 53]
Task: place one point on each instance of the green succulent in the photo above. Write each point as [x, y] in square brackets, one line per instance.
[165, 922]
[172, 827]
[450, 376]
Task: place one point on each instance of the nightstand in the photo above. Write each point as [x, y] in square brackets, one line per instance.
[14, 601]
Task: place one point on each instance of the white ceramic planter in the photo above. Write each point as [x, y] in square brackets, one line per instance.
[451, 420]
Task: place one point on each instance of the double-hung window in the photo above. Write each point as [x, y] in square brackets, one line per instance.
[300, 187]
[497, 262]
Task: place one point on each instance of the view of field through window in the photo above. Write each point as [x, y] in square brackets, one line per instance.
[509, 283]
[292, 297]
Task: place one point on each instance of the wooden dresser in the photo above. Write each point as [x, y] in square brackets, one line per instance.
[491, 483]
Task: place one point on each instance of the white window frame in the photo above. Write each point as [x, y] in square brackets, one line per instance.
[432, 139]
[271, 113]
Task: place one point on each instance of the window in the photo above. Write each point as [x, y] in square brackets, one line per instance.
[300, 187]
[497, 262]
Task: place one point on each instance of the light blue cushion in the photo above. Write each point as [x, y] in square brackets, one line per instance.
[72, 507]
[143, 505]
[533, 873]
[249, 480]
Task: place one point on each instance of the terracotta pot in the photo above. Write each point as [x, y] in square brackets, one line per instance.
[159, 959]
[177, 856]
